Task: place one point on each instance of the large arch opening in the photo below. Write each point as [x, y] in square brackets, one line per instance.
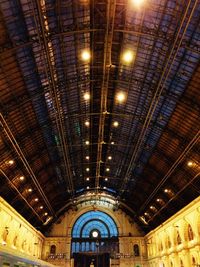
[94, 239]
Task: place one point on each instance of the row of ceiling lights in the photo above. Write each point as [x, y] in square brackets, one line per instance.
[29, 189]
[168, 191]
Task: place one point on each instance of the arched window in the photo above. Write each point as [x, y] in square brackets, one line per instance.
[178, 238]
[94, 231]
[136, 250]
[181, 263]
[53, 249]
[190, 233]
[169, 242]
[193, 261]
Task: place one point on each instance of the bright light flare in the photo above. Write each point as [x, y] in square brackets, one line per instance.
[86, 96]
[120, 98]
[127, 57]
[138, 3]
[85, 55]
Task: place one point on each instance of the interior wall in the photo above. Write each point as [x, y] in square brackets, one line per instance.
[129, 234]
[177, 241]
[17, 234]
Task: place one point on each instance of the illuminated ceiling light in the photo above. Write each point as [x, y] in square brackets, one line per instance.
[11, 162]
[85, 55]
[87, 157]
[104, 187]
[87, 123]
[107, 169]
[21, 178]
[87, 169]
[166, 190]
[112, 143]
[87, 179]
[88, 187]
[115, 123]
[87, 142]
[146, 213]
[109, 157]
[46, 214]
[95, 234]
[137, 3]
[120, 97]
[158, 199]
[30, 190]
[36, 199]
[106, 179]
[41, 207]
[190, 163]
[127, 57]
[151, 207]
[87, 96]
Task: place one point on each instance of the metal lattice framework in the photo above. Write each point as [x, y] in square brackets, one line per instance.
[151, 160]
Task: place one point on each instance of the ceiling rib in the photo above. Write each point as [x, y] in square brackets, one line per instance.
[110, 17]
[53, 89]
[159, 90]
[24, 161]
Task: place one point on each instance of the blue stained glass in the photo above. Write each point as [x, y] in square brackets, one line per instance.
[94, 220]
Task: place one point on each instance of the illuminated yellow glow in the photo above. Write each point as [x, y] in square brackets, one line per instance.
[87, 179]
[87, 157]
[109, 157]
[46, 214]
[85, 55]
[87, 142]
[106, 179]
[128, 57]
[36, 199]
[112, 143]
[158, 200]
[30, 190]
[190, 163]
[21, 178]
[151, 207]
[107, 169]
[166, 190]
[11, 162]
[138, 3]
[87, 96]
[120, 97]
[87, 123]
[115, 123]
[87, 169]
[88, 187]
[41, 207]
[104, 187]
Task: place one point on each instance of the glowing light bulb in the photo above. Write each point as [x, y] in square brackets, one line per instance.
[127, 57]
[86, 96]
[87, 179]
[36, 199]
[109, 157]
[87, 142]
[87, 123]
[85, 55]
[87, 157]
[190, 163]
[87, 169]
[115, 123]
[120, 97]
[106, 179]
[138, 3]
[21, 178]
[30, 190]
[107, 169]
[11, 162]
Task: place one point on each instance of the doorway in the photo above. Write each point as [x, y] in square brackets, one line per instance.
[91, 259]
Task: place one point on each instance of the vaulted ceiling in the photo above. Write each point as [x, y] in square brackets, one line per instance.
[99, 97]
